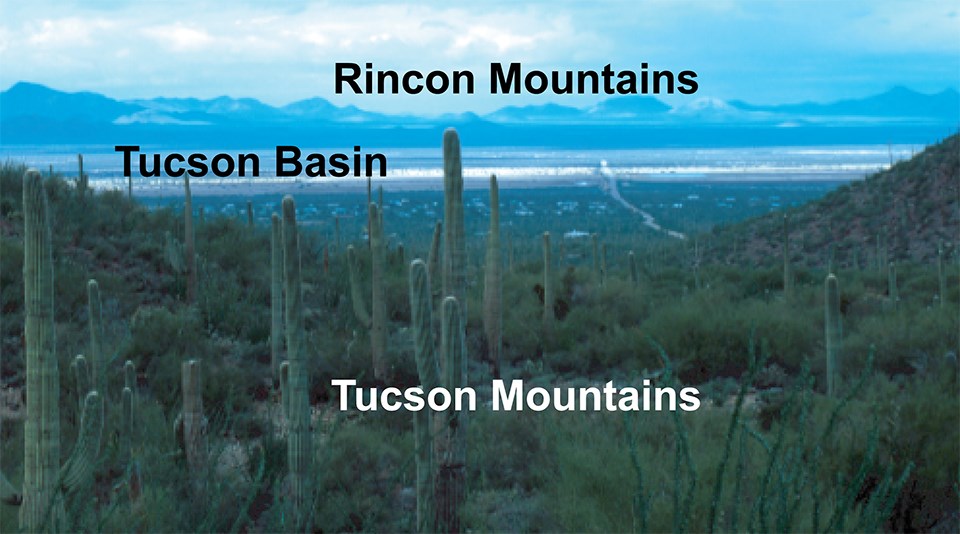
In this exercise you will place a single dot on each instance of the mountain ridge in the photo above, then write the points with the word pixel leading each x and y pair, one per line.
pixel 35 114
pixel 901 213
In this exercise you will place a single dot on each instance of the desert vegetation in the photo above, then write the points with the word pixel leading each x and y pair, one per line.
pixel 165 372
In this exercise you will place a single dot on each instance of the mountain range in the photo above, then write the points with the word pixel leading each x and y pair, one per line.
pixel 35 114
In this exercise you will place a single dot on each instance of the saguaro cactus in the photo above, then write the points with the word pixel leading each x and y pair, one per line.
pixel 190 259
pixel 634 275
pixel 493 283
pixel 41 430
pixel 833 333
pixel 82 179
pixel 421 316
pixel 45 483
pixel 378 310
pixel 376 321
pixel 451 449
pixel 299 447
pixel 433 259
pixel 454 244
pixel 250 214
pixel 548 315
pixel 276 295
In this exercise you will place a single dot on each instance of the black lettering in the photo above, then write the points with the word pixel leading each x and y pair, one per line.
pixel 144 171
pixel 408 87
pixel 215 165
pixel 198 166
pixel 508 85
pixel 350 79
pixel 340 162
pixel 168 167
pixel 688 82
pixel 530 78
pixel 381 164
pixel 315 166
pixel 283 161
pixel 242 164
pixel 444 82
pixel 127 150
pixel 460 75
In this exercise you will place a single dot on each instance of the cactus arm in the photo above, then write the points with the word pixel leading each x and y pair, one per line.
pixel 77 472
pixel 81 375
pixel 433 260
pixel 129 375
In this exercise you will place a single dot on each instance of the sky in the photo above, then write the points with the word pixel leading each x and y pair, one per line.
pixel 764 52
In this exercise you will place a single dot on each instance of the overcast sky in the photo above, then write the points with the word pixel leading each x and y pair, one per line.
pixel 278 52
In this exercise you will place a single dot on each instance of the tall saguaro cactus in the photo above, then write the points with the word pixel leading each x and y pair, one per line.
pixel 548 315
pixel 41 430
pixel 45 483
pixel 833 333
pixel 451 449
pixel 421 317
pixel 493 283
pixel 82 179
pixel 454 244
pixel 376 320
pixel 190 258
pixel 296 393
pixel 378 309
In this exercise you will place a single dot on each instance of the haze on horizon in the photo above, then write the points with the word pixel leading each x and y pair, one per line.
pixel 761 52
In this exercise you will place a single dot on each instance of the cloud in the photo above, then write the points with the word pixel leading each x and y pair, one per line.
pixel 283 51
pixel 179 38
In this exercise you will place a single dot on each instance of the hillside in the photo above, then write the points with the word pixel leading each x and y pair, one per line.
pixel 758 362
pixel 903 213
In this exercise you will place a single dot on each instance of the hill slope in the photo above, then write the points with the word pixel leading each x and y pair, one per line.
pixel 902 213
